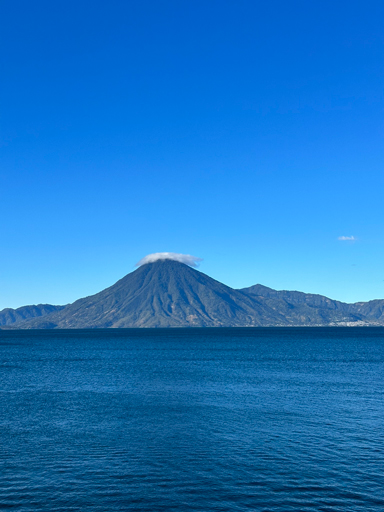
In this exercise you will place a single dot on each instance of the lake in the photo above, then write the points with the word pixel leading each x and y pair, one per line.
pixel 263 419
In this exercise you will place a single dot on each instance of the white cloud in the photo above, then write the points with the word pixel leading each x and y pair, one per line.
pixel 192 261
pixel 349 238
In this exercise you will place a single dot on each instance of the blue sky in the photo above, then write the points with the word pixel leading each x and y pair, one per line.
pixel 249 134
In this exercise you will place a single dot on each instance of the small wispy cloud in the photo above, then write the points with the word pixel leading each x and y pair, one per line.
pixel 348 238
pixel 188 259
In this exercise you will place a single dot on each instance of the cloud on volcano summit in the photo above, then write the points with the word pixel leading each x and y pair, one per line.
pixel 188 259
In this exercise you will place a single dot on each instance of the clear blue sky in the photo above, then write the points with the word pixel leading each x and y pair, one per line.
pixel 247 133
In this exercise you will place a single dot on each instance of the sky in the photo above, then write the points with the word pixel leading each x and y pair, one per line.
pixel 248 134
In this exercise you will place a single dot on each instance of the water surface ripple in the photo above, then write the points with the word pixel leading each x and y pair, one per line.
pixel 192 420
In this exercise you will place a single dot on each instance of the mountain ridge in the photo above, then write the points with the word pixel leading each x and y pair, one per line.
pixel 371 310
pixel 9 316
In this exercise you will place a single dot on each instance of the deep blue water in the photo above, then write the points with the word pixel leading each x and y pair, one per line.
pixel 192 420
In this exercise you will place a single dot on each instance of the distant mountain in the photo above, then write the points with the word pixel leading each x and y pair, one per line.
pixel 10 316
pixel 372 311
pixel 296 298
pixel 369 312
pixel 168 293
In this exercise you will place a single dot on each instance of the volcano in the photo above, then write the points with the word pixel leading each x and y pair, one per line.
pixel 165 293
pixel 168 293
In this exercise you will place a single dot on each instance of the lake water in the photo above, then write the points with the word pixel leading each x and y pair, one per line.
pixel 192 420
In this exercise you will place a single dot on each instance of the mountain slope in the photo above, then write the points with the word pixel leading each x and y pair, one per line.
pixel 372 311
pixel 10 316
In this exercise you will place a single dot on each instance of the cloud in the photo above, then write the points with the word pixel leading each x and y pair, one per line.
pixel 348 238
pixel 192 261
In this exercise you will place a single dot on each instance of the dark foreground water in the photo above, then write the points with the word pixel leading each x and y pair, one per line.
pixel 192 420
